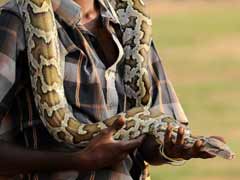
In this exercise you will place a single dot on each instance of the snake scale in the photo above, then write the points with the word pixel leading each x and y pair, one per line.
pixel 47 80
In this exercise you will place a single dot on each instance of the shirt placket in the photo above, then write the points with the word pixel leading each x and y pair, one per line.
pixel 110 77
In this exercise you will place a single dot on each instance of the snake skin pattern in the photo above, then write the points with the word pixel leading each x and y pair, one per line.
pixel 47 80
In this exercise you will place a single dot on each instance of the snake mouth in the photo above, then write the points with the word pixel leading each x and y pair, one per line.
pixel 230 156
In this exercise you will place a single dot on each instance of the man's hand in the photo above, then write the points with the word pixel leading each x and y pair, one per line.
pixel 178 150
pixel 150 149
pixel 104 151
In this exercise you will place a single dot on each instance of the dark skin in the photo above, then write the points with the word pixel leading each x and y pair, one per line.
pixel 102 151
pixel 150 148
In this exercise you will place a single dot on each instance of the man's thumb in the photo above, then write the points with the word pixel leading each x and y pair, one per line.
pixel 118 124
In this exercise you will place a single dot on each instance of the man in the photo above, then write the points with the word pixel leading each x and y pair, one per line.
pixel 27 148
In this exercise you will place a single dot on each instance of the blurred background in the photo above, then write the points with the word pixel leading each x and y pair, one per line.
pixel 199 42
pixel 2 2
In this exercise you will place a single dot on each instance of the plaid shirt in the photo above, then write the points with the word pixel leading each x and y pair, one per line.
pixel 94 91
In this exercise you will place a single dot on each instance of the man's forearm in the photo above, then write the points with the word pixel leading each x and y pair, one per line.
pixel 15 160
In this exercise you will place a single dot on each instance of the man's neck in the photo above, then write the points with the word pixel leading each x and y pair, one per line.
pixel 89 10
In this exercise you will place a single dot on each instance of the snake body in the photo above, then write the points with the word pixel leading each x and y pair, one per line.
pixel 47 80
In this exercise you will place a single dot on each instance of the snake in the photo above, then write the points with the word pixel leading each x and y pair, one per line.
pixel 47 81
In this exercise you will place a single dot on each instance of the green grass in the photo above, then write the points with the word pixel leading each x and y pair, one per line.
pixel 201 52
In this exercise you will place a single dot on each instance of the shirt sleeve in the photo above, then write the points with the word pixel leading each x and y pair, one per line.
pixel 11 44
pixel 164 97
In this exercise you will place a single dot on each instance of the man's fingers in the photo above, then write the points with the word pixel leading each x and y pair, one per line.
pixel 118 124
pixel 168 136
pixel 196 148
pixel 130 145
pixel 205 155
pixel 180 136
pixel 193 152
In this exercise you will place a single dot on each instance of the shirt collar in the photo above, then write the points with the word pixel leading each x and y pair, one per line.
pixel 107 11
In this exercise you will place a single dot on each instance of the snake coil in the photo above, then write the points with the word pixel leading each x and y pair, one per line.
pixel 47 79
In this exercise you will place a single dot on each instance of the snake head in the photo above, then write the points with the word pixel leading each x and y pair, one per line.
pixel 218 148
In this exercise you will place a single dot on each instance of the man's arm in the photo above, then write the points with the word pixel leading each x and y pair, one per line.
pixel 102 152
pixel 15 160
